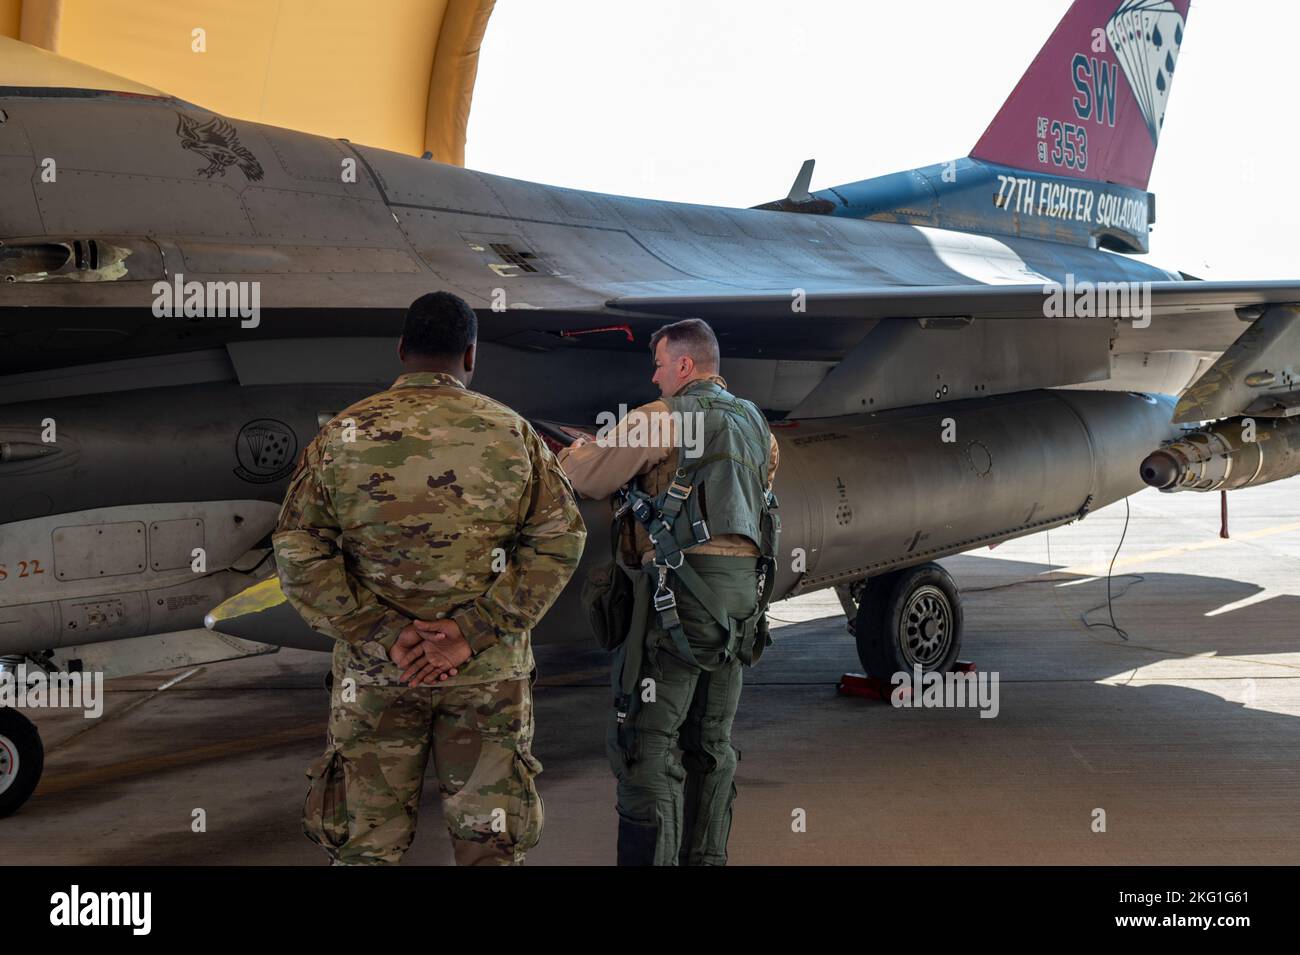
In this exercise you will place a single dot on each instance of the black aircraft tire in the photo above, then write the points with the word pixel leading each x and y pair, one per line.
pixel 909 617
pixel 20 743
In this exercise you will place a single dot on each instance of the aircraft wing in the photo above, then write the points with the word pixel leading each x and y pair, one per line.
pixel 968 301
pixel 756 322
pixel 1030 336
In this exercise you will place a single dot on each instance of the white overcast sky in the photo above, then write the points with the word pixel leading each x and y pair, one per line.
pixel 719 101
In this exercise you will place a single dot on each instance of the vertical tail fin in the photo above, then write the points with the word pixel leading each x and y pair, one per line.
pixel 1091 104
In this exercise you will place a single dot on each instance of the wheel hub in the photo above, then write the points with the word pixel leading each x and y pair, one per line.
pixel 926 627
pixel 8 763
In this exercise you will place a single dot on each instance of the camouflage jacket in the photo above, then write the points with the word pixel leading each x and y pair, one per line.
pixel 425 501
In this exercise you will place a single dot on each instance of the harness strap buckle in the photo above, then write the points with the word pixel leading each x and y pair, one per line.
pixel 665 601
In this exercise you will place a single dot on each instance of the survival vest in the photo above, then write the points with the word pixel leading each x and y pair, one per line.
pixel 721 490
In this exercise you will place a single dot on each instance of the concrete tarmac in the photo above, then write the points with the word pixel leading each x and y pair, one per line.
pixel 1184 730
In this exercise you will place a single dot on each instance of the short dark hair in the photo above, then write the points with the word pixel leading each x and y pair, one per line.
pixel 690 337
pixel 439 324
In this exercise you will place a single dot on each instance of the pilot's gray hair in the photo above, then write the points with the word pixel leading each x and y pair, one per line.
pixel 690 337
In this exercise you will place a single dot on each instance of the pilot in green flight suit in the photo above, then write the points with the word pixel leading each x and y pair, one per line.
pixel 699 461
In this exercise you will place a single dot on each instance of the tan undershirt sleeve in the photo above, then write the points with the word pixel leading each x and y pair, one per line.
pixel 643 438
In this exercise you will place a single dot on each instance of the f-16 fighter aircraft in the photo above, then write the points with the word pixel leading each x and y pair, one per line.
pixel 951 356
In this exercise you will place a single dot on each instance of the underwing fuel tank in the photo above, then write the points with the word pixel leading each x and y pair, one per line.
pixel 866 494
pixel 1227 456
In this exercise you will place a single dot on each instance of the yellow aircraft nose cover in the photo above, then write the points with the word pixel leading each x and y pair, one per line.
pixel 261 596
pixel 232 614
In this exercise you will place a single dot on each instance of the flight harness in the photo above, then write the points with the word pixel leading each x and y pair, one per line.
pixel 662 516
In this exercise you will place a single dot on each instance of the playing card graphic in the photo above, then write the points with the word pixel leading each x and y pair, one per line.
pixel 1146 36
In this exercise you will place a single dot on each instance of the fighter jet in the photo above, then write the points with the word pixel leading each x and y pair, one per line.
pixel 951 356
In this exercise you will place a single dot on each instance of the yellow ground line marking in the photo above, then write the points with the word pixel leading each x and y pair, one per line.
pixel 1099 570
pixel 112 772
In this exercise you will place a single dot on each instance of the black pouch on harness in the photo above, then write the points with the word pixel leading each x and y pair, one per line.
pixel 608 595
pixel 752 645
pixel 752 648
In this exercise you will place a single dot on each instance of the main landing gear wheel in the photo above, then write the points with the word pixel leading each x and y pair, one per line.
pixel 909 618
pixel 22 757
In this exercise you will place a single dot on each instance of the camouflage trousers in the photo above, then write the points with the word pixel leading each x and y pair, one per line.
pixel 364 792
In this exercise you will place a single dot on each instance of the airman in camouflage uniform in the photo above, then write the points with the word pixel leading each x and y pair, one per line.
pixel 432 503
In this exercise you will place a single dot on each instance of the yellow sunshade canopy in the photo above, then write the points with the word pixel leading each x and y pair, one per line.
pixel 398 74
pixel 22 64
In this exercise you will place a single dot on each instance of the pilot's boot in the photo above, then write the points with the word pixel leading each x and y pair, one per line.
pixel 650 799
pixel 636 841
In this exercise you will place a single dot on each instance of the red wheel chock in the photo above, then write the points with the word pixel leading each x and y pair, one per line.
pixel 872 688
